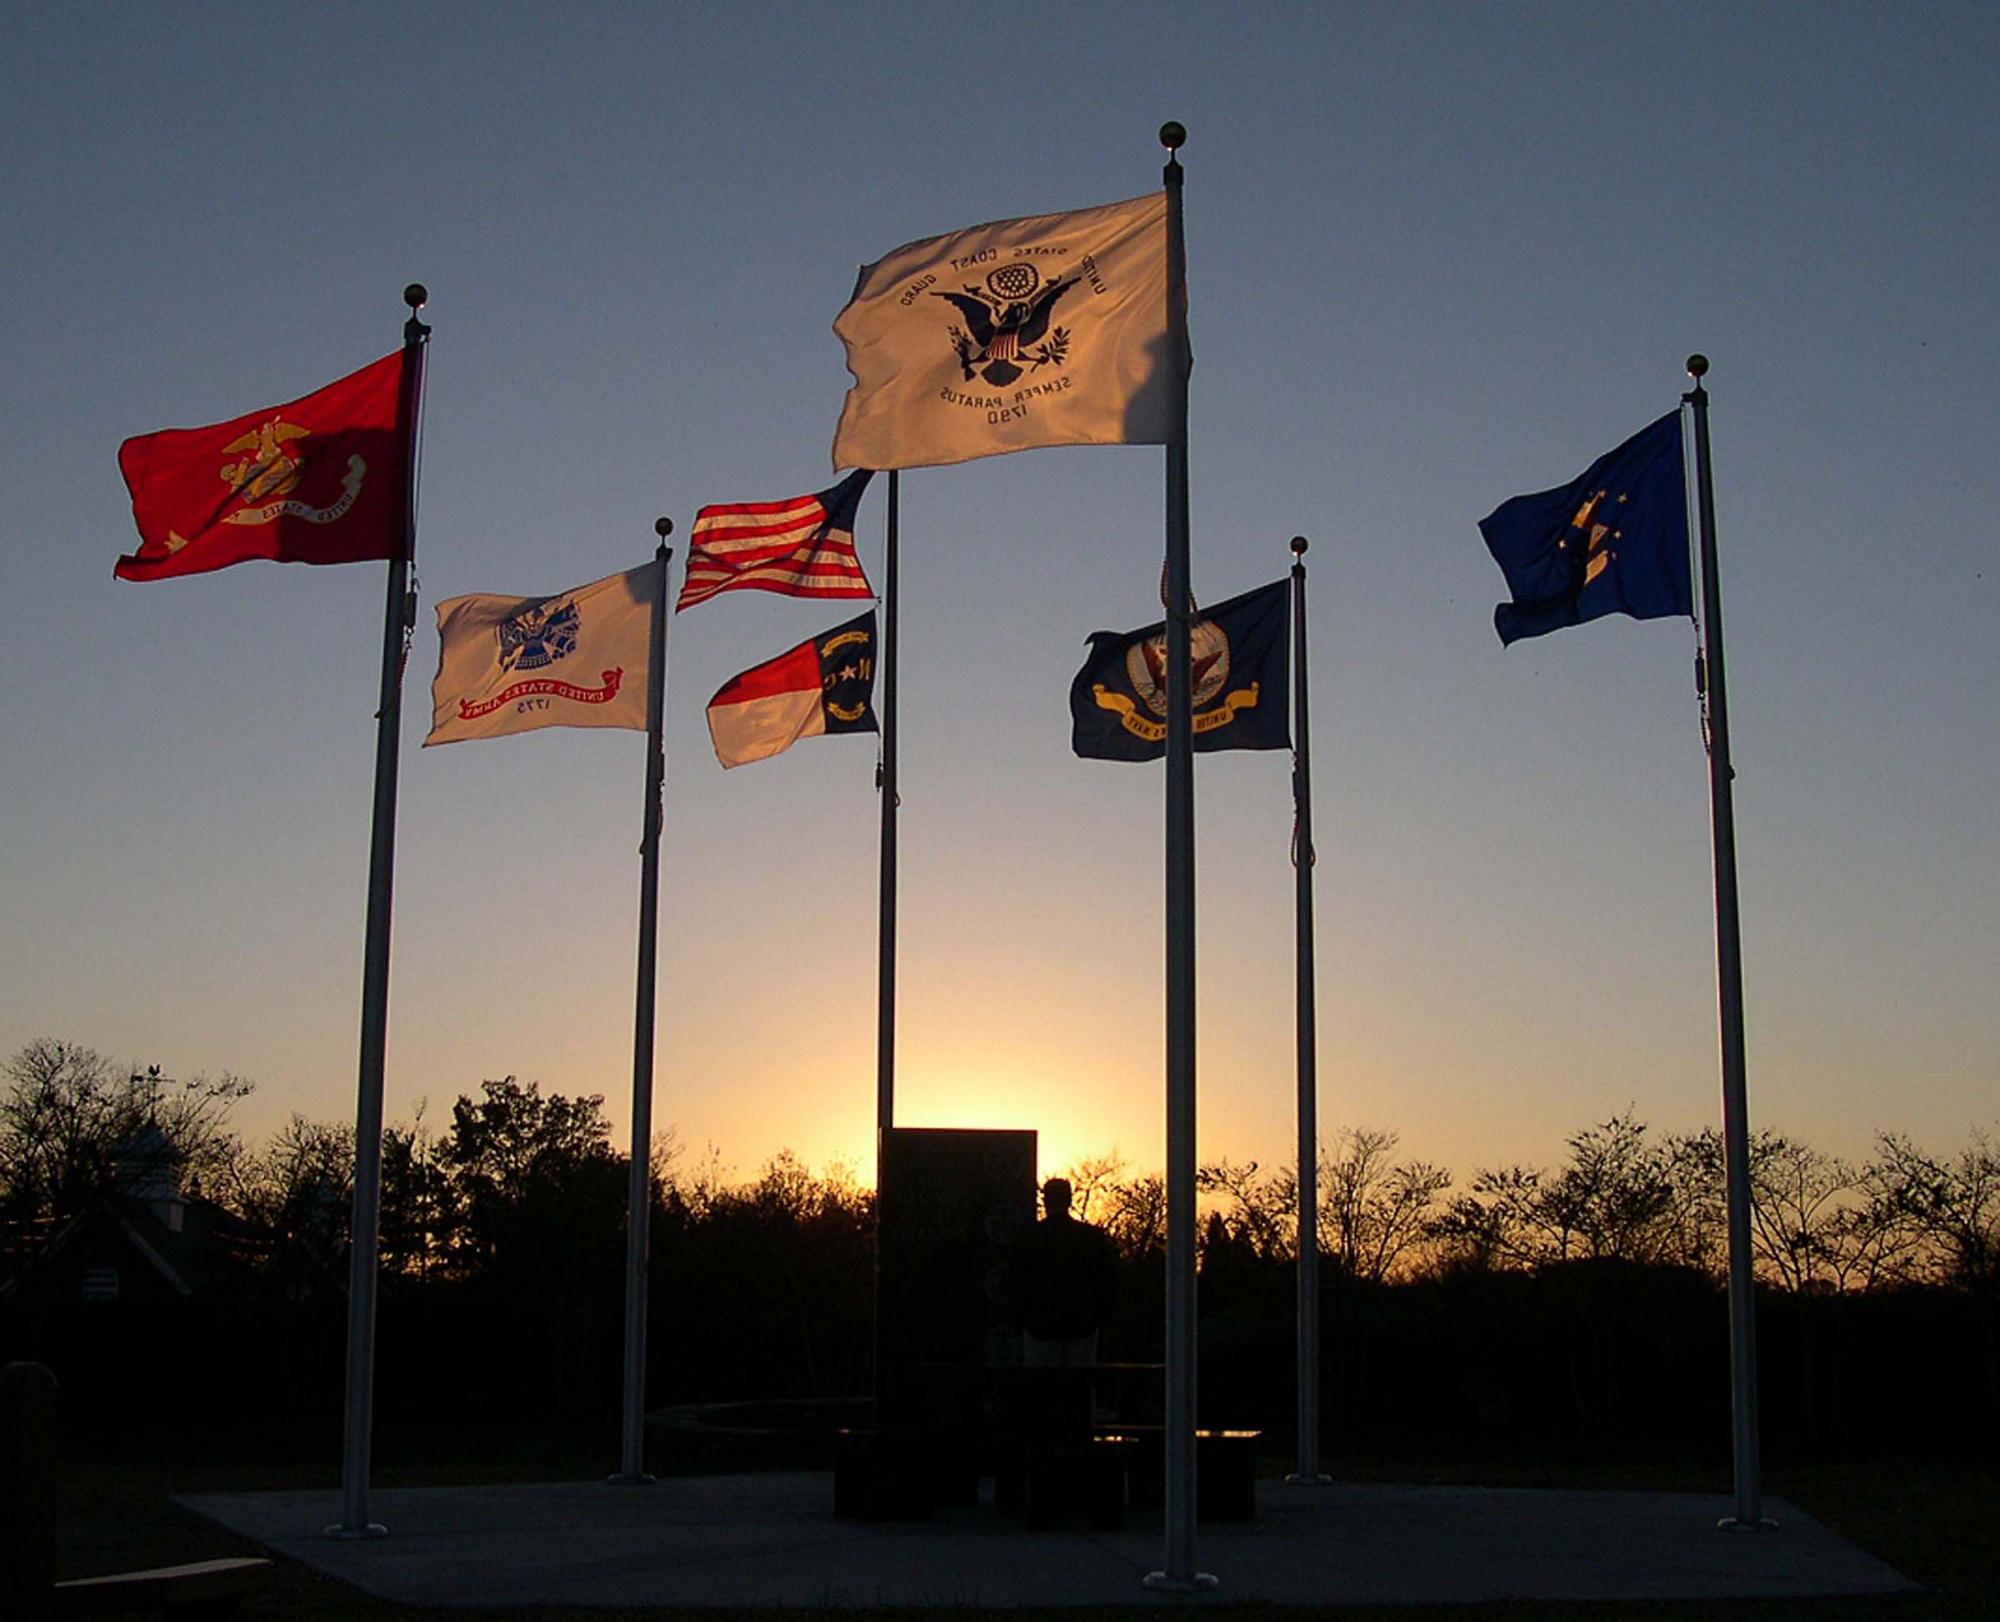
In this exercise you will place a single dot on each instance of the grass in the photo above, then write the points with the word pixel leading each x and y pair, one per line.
pixel 1939 1524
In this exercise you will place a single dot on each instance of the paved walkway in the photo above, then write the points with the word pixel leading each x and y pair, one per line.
pixel 772 1540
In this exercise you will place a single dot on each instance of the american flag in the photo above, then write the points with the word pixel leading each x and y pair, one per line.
pixel 802 548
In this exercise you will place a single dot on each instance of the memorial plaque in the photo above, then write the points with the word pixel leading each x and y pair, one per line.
pixel 950 1202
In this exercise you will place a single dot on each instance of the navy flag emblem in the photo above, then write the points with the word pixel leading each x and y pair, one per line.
pixel 1240 653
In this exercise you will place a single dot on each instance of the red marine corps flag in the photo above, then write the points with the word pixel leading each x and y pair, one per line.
pixel 322 480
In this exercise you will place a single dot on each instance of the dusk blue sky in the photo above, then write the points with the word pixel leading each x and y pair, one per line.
pixel 1437 255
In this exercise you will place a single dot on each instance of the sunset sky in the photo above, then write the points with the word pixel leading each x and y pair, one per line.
pixel 1438 256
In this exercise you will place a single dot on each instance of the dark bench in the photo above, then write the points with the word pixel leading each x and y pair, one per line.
pixel 1225 1469
pixel 1039 1432
pixel 1049 1482
pixel 205 1588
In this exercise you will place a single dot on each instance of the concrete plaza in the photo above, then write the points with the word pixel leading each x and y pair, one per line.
pixel 772 1540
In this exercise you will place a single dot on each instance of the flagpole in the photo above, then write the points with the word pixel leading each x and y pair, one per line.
pixel 1179 1574
pixel 1729 989
pixel 885 932
pixel 885 923
pixel 398 618
pixel 639 1194
pixel 1306 1003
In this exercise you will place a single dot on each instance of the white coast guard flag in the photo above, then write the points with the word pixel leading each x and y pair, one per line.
pixel 1043 331
pixel 577 659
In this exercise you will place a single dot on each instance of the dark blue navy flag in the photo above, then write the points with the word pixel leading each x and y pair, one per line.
pixel 1241 656
pixel 1612 541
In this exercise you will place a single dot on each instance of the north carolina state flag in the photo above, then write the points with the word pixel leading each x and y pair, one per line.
pixel 823 686
pixel 322 480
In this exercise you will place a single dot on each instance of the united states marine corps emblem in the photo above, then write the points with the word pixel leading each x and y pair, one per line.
pixel 270 466
pixel 272 461
pixel 538 637
pixel 1007 324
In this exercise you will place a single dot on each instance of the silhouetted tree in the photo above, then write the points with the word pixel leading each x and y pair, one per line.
pixel 1089 1177
pixel 1804 1206
pixel 1613 1200
pixel 1255 1212
pixel 699 1187
pixel 298 1190
pixel 1135 1215
pixel 1375 1211
pixel 1694 1226
pixel 1949 1208
pixel 1610 1199
pixel 532 1201
pixel 1222 1249
pixel 418 1207
pixel 531 1175
pixel 65 1111
pixel 769 1282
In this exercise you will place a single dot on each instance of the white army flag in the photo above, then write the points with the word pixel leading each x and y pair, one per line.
pixel 1051 330
pixel 512 664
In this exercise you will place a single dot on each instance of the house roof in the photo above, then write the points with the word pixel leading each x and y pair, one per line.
pixel 188 1262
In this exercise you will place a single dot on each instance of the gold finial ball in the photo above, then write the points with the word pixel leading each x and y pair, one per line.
pixel 1697 367
pixel 663 527
pixel 1173 135
pixel 416 295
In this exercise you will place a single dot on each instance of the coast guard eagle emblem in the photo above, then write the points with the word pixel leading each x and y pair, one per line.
pixel 1006 332
pixel 537 637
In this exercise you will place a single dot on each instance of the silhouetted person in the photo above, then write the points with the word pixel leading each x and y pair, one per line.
pixel 1065 1283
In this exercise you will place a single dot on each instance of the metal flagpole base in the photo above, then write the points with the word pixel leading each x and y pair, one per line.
pixel 625 1479
pixel 1297 1480
pixel 350 1534
pixel 1202 1582
pixel 1733 1523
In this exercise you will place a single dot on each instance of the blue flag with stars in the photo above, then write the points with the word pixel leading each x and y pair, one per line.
pixel 1612 541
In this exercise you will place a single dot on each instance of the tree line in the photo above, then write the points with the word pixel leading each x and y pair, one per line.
pixel 1524 1311
pixel 518 1180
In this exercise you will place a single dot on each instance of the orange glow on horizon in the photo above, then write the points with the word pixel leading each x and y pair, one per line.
pixel 1069 1122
